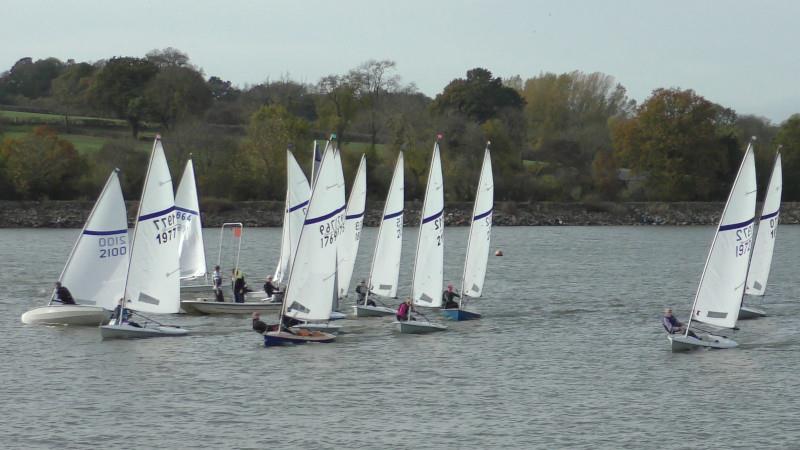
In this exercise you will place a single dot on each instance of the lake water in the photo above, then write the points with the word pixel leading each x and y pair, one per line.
pixel 569 354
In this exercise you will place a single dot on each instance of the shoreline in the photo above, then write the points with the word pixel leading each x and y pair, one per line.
pixel 73 214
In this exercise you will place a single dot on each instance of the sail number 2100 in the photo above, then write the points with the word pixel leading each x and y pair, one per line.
pixel 744 237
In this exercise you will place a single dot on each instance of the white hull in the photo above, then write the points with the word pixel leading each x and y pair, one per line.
pixel 76 315
pixel 129 332
pixel 193 288
pixel 418 327
pixel 212 307
pixel 682 343
pixel 323 327
pixel 373 311
pixel 748 312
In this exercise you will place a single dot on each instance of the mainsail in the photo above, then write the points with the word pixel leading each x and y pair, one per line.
pixel 153 283
pixel 297 193
pixel 719 295
pixel 354 217
pixel 766 233
pixel 428 274
pixel 190 248
pixel 480 233
pixel 385 269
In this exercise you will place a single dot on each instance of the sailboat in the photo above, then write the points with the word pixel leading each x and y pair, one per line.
pixel 722 283
pixel 297 194
pixel 311 285
pixel 764 242
pixel 428 274
pixel 384 271
pixel 152 284
pixel 190 248
pixel 96 266
pixel 478 243
pixel 354 218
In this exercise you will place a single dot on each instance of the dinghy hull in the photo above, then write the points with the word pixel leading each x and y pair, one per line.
pixel 418 327
pixel 373 311
pixel 681 343
pixel 212 307
pixel 336 315
pixel 748 312
pixel 279 338
pixel 460 314
pixel 75 315
pixel 128 332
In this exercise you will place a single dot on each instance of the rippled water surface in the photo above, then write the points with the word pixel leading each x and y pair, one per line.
pixel 569 354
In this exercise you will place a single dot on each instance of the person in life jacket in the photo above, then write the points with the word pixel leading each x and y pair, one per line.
pixel 673 325
pixel 404 310
pixel 448 296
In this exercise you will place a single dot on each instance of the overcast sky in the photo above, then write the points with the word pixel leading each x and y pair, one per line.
pixel 741 54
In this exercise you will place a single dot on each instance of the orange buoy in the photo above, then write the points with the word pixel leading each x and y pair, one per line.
pixel 498 252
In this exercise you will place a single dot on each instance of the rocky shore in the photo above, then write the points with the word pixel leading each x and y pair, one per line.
pixel 72 214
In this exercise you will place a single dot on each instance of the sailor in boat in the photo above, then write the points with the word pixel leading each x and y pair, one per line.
pixel 63 294
pixel 673 325
pixel 126 315
pixel 259 325
pixel 363 294
pixel 217 279
pixel 404 311
pixel 239 286
pixel 270 288
pixel 448 297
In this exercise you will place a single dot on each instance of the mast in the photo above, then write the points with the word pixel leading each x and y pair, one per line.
pixel 383 219
pixel 80 236
pixel 716 234
pixel 422 221
pixel 471 224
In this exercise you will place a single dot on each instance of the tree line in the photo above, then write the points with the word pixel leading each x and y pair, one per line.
pixel 563 137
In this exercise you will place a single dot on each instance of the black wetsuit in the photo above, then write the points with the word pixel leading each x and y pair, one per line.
pixel 65 296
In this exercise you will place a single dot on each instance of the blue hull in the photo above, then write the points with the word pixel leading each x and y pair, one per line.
pixel 460 314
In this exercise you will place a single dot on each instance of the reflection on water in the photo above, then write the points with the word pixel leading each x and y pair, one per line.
pixel 569 353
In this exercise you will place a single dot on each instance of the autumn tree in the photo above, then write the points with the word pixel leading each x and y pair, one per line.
pixel 788 138
pixel 479 96
pixel 175 93
pixel 119 88
pixel 259 168
pixel 70 89
pixel 682 143
pixel 41 165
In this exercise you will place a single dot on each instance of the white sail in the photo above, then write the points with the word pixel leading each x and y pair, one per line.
pixel 354 217
pixel 766 232
pixel 385 270
pixel 187 207
pixel 297 193
pixel 95 270
pixel 719 295
pixel 309 295
pixel 480 233
pixel 429 262
pixel 154 274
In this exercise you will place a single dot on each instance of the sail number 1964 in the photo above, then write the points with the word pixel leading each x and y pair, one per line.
pixel 744 236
